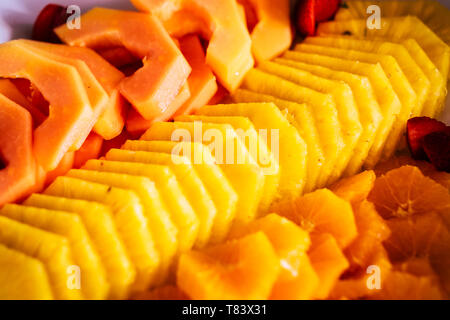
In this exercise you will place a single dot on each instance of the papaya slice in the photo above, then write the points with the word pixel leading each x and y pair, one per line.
pixel 17 163
pixel 152 88
pixel 90 149
pixel 71 116
pixel 63 167
pixel 220 21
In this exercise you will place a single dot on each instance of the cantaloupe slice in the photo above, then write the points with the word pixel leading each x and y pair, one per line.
pixel 347 111
pixel 71 117
pixel 398 80
pixel 50 249
pixel 99 223
pixel 387 99
pixel 229 49
pixel 94 284
pixel 22 277
pixel 179 208
pixel 369 110
pixel 152 88
pixel 222 141
pixel 17 163
pixel 129 219
pixel 301 117
pixel 216 183
pixel 325 113
pixel 191 184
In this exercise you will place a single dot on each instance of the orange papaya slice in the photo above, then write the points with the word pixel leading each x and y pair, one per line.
pixel 90 149
pixel 63 167
pixel 219 21
pixel 152 88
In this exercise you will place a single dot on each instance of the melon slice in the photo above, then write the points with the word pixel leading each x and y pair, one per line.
pixel 397 78
pixel 219 188
pixel 387 99
pixel 129 219
pixel 347 111
pixel 71 117
pixel 99 223
pixel 325 114
pixel 191 185
pixel 179 208
pixel 152 88
pixel 94 284
pixel 22 277
pixel 52 250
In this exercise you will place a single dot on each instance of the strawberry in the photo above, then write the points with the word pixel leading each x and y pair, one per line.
pixel 325 9
pixel 306 20
pixel 437 148
pixel 50 17
pixel 417 129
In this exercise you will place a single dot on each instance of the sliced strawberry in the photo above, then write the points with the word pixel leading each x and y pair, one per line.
pixel 417 129
pixel 437 148
pixel 326 9
pixel 306 21
pixel 51 16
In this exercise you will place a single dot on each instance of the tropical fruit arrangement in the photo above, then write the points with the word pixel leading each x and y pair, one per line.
pixel 194 150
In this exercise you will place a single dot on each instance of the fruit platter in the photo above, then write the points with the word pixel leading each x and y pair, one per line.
pixel 225 150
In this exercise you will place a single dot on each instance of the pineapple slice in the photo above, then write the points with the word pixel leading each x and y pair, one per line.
pixel 215 181
pixel 397 78
pixel 301 117
pixel 22 277
pixel 258 151
pixel 128 217
pixel 99 223
pixel 229 152
pixel 50 249
pixel 348 113
pixel 162 229
pixel 181 212
pixel 369 110
pixel 93 278
pixel 324 111
pixel 191 184
pixel 387 99
pixel 287 146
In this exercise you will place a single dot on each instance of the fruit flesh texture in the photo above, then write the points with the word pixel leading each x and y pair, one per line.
pixel 99 223
pixel 219 21
pixel 348 114
pixel 325 113
pixel 387 99
pixel 301 117
pixel 22 277
pixel 93 279
pixel 50 249
pixel 221 191
pixel 192 186
pixel 235 165
pixel 153 87
pixel 129 220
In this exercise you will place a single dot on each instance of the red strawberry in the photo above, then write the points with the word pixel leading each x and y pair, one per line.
pixel 325 9
pixel 306 21
pixel 437 148
pixel 50 17
pixel 417 129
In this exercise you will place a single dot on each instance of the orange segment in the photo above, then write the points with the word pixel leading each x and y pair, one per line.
pixel 243 269
pixel 355 189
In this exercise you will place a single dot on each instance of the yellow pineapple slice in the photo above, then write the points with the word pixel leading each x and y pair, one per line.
pixel 161 227
pixel 22 277
pixel 348 113
pixel 94 284
pixel 129 219
pixel 214 179
pixel 50 249
pixel 230 153
pixel 257 147
pixel 181 212
pixel 369 111
pixel 397 78
pixel 99 223
pixel 387 99
pixel 324 111
pixel 191 184
pixel 301 117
